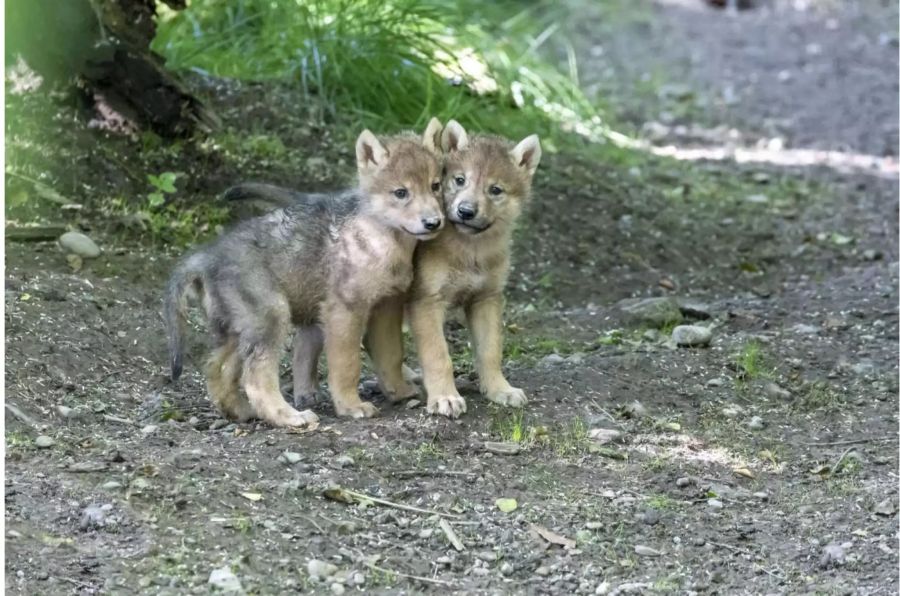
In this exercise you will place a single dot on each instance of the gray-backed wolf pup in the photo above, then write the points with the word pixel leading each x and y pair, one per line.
pixel 327 264
pixel 487 181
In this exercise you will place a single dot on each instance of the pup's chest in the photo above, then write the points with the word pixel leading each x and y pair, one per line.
pixel 367 267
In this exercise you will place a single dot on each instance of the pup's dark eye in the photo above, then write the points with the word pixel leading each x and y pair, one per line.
pixel 435 186
pixel 495 190
pixel 460 180
pixel 401 193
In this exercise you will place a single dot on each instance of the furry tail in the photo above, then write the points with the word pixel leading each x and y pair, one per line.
pixel 180 285
pixel 277 196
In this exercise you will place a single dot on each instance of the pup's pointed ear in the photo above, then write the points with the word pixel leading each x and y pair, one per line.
pixel 432 136
pixel 371 155
pixel 454 137
pixel 527 154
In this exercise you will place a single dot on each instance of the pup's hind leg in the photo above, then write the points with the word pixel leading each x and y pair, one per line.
pixel 384 342
pixel 308 344
pixel 223 373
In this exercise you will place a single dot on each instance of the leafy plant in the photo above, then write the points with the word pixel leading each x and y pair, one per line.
pixel 164 184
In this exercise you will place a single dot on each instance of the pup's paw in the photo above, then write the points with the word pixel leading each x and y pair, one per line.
pixel 363 409
pixel 402 392
pixel 513 397
pixel 295 419
pixel 447 405
pixel 305 400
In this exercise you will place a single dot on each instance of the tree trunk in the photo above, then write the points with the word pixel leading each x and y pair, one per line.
pixel 105 46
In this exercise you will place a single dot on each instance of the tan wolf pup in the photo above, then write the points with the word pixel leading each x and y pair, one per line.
pixel 486 183
pixel 331 262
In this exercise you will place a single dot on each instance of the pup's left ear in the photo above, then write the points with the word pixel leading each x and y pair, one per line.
pixel 431 138
pixel 527 154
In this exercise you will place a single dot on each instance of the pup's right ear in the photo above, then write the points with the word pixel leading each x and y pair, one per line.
pixel 454 137
pixel 371 155
pixel 432 136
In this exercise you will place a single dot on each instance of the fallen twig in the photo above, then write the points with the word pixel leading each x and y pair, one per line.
pixel 426 473
pixel 451 535
pixel 15 411
pixel 429 580
pixel 736 549
pixel 851 442
pixel 349 496
pixel 111 418
pixel 837 464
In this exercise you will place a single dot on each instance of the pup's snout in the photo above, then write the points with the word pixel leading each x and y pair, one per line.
pixel 431 223
pixel 467 210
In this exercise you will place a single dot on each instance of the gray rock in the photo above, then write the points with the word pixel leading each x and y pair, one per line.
pixel 863 368
pixel 755 423
pixel 149 429
pixel 542 570
pixel 885 508
pixel 506 568
pixel 832 556
pixel 776 391
pixel 65 411
pixel 44 442
pixel 320 569
pixel 413 404
pixel 691 335
pixel 93 516
pixel 602 588
pixel 344 461
pixel 337 589
pixel 684 481
pixel 871 255
pixel 111 485
pixel 605 435
pixel 224 580
pixel 654 312
pixel 761 495
pixel 694 309
pixel 717 382
pixel 804 329
pixel 552 360
pixel 715 503
pixel 79 244
pixel 502 448
pixel 646 551
pixel 290 457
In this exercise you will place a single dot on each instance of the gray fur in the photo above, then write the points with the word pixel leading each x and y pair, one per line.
pixel 261 278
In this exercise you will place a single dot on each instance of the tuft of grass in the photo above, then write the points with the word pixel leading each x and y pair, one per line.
pixel 752 363
pixel 394 63
pixel 509 425
pixel 571 438
pixel 820 395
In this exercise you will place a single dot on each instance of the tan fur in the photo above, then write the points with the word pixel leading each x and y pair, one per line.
pixel 466 266
pixel 367 262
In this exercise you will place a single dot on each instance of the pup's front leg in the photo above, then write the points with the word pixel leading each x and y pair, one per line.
pixel 343 333
pixel 485 317
pixel 427 321
pixel 384 341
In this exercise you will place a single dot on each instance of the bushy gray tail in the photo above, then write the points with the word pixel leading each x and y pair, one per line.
pixel 175 313
pixel 277 196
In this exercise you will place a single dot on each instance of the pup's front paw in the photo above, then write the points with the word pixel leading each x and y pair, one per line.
pixel 363 409
pixel 512 397
pixel 293 418
pixel 447 405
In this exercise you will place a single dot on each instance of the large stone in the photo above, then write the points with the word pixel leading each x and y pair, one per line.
pixel 79 244
pixel 653 312
pixel 691 335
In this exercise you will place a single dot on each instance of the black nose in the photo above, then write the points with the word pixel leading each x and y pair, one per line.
pixel 431 223
pixel 466 210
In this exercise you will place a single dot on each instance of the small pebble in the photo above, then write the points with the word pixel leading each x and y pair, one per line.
pixel 717 382
pixel 337 589
pixel 506 568
pixel 755 423
pixel 412 404
pixel 715 503
pixel 149 429
pixel 320 569
pixel 344 461
pixel 684 481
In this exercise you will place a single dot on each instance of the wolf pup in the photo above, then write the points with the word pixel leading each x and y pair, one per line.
pixel 486 183
pixel 327 264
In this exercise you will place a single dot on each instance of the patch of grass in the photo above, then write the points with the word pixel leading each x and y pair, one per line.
pixel 395 63
pixel 657 463
pixel 18 441
pixel 528 350
pixel 508 424
pixel 661 503
pixel 752 363
pixel 820 395
pixel 168 224
pixel 571 438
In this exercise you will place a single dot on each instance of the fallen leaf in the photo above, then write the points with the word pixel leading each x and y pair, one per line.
pixel 451 535
pixel 252 496
pixel 339 495
pixel 552 537
pixel 506 505
pixel 746 473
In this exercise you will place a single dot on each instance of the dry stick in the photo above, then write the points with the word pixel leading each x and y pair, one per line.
pixel 15 411
pixel 451 535
pixel 836 465
pixel 432 473
pixel 736 549
pixel 387 503
pixel 407 576
pixel 112 418
pixel 851 442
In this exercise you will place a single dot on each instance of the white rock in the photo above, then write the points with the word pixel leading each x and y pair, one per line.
pixel 44 442
pixel 691 335
pixel 605 435
pixel 79 244
pixel 320 569
pixel 226 581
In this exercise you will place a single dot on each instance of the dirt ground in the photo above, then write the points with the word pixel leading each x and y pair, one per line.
pixel 765 463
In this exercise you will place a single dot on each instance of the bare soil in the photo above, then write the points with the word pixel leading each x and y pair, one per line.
pixel 764 463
